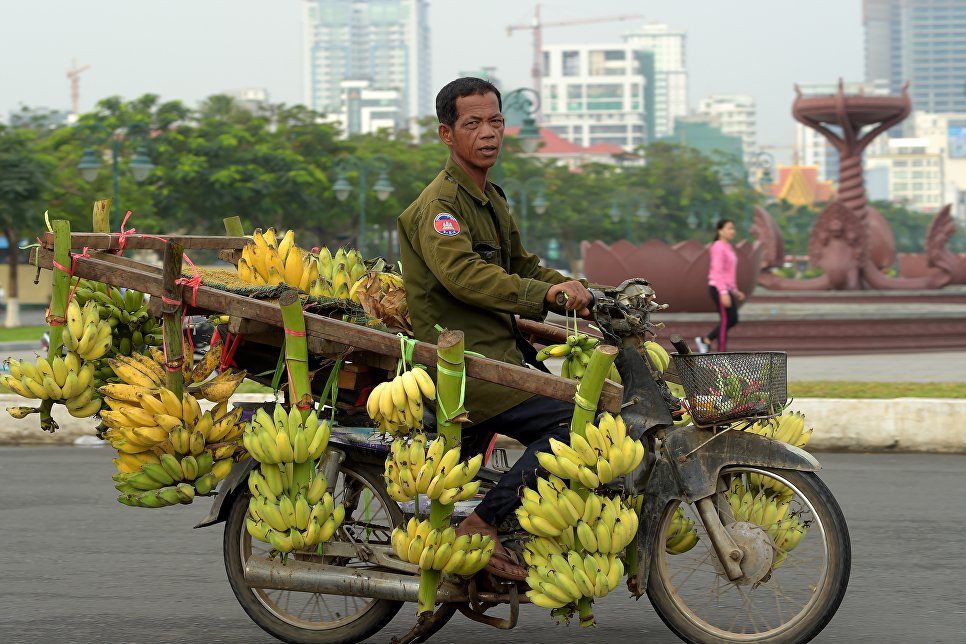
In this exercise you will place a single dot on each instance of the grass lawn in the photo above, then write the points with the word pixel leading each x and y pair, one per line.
pixel 22 333
pixel 846 389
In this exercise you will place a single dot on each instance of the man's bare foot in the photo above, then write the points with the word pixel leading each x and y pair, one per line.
pixel 503 563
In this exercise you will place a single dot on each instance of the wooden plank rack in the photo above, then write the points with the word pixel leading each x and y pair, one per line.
pixel 262 320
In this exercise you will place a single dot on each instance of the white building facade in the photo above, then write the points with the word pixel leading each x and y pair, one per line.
pixel 915 174
pixel 594 94
pixel 385 43
pixel 669 47
pixel 736 116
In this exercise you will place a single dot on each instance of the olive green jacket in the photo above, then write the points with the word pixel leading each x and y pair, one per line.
pixel 465 268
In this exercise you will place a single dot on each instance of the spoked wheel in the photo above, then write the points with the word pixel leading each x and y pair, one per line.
pixel 314 618
pixel 797 558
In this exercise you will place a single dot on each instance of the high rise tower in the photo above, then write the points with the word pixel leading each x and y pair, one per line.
pixel 383 42
pixel 920 41
pixel 670 80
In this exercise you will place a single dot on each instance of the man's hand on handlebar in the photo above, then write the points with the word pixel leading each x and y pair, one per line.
pixel 571 295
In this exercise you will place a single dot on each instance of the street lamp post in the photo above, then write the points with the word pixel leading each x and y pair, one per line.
pixel 526 189
pixel 624 209
pixel 383 188
pixel 89 165
pixel 525 102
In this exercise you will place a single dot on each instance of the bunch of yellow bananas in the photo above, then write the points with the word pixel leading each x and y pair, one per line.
pixel 283 437
pixel 607 453
pixel 397 405
pixel 657 355
pixel 269 261
pixel 557 579
pixel 681 535
pixel 85 332
pixel 69 380
pixel 789 428
pixel 772 513
pixel 434 549
pixel 337 274
pixel 576 352
pixel 411 469
pixel 126 313
pixel 290 520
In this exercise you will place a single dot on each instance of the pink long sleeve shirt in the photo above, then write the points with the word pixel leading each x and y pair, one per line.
pixel 723 272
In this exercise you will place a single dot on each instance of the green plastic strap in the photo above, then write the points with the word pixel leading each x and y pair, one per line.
pixel 462 376
pixel 407 346
pixel 331 389
pixel 583 403
pixel 279 368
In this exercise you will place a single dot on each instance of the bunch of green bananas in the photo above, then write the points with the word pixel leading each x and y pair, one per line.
pixel 338 273
pixel 681 535
pixel 85 333
pixel 772 513
pixel 557 579
pixel 412 469
pixel 576 352
pixel 657 356
pixel 68 380
pixel 284 437
pixel 440 549
pixel 606 453
pixel 288 515
pixel 127 313
pixel 396 405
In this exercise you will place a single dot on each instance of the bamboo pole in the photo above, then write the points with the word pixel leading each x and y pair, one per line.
pixel 450 412
pixel 233 226
pixel 101 217
pixel 585 410
pixel 297 368
pixel 172 313
pixel 60 289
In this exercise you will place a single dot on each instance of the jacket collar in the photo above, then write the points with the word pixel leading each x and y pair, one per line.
pixel 462 179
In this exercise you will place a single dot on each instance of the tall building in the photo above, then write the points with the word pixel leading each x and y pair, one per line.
pixel 593 94
pixel 382 42
pixel 670 71
pixel 920 41
pixel 736 116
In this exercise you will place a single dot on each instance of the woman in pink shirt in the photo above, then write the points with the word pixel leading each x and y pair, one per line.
pixel 722 285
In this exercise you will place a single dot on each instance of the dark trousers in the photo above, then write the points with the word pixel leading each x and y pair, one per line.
pixel 729 317
pixel 533 422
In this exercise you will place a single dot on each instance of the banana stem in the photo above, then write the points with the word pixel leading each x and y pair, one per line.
pixel 592 383
pixel 172 316
pixel 60 289
pixel 450 369
pixel 233 226
pixel 297 366
pixel 101 216
pixel 585 610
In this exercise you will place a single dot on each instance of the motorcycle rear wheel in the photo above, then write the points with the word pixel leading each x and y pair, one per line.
pixel 314 618
pixel 787 603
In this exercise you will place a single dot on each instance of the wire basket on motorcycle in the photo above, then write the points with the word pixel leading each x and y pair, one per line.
pixel 723 387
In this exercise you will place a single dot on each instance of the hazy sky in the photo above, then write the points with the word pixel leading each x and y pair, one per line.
pixel 189 49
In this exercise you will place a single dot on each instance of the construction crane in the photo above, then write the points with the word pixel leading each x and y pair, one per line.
pixel 74 75
pixel 537 27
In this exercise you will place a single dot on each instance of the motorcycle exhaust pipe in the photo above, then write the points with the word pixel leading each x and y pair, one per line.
pixel 301 576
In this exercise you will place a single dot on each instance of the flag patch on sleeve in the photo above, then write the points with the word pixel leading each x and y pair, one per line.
pixel 446 224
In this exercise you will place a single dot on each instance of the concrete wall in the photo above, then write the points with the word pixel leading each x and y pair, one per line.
pixel 902 424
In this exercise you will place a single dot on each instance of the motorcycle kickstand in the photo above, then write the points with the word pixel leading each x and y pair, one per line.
pixel 475 609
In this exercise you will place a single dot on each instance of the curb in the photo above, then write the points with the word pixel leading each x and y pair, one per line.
pixel 892 425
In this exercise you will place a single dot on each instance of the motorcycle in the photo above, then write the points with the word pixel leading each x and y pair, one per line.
pixel 734 585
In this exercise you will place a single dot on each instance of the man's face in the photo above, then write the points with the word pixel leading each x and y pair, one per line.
pixel 476 137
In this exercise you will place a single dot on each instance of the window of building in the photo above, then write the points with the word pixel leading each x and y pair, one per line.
pixel 571 63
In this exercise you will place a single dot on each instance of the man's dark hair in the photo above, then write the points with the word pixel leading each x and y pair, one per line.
pixel 466 86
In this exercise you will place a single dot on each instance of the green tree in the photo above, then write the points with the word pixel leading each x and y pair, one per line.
pixel 25 174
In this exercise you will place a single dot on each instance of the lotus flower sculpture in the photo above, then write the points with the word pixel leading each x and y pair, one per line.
pixel 678 273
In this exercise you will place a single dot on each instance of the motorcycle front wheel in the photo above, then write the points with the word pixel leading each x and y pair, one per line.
pixel 797 559
pixel 314 618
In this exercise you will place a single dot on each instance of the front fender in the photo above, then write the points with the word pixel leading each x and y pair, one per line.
pixel 688 468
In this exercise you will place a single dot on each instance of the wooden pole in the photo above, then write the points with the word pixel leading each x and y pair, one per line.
pixel 60 289
pixel 172 314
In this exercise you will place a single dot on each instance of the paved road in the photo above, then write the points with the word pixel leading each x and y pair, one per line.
pixel 77 567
